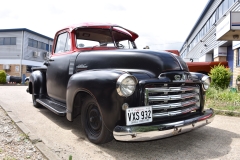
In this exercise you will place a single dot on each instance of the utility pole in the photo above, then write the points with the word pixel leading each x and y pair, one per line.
pixel 21 57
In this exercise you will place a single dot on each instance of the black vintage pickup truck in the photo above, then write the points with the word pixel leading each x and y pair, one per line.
pixel 96 71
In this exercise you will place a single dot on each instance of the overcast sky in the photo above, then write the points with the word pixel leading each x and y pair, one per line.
pixel 160 24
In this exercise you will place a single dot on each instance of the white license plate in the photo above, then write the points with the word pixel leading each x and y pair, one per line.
pixel 138 115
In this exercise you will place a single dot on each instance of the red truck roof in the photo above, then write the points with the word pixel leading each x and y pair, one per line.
pixel 102 25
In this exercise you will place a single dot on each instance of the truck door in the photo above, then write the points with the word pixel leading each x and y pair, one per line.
pixel 59 66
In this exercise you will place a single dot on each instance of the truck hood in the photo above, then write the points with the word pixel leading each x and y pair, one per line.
pixel 153 62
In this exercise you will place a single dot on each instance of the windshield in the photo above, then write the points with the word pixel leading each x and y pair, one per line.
pixel 98 37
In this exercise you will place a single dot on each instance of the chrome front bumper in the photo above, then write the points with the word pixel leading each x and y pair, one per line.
pixel 144 133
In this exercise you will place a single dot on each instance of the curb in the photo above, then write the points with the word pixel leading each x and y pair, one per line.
pixel 10 84
pixel 36 141
pixel 227 113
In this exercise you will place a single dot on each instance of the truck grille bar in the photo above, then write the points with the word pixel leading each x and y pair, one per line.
pixel 171 89
pixel 171 97
pixel 172 101
pixel 175 113
pixel 174 105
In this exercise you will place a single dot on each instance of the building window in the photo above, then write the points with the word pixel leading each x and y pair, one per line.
pixel 225 6
pixel 231 2
pixel 238 57
pixel 220 11
pixel 32 43
pixel 17 68
pixel 50 48
pixel 7 40
pixel 207 25
pixel 42 45
pixel 37 44
pixel 213 19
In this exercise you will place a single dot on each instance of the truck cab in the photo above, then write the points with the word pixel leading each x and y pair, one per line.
pixel 97 72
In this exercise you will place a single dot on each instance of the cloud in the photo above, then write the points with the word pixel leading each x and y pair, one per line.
pixel 160 24
pixel 110 7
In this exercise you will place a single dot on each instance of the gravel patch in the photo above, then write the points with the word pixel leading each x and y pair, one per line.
pixel 14 144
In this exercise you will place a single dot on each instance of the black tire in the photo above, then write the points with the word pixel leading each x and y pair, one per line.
pixel 92 123
pixel 35 103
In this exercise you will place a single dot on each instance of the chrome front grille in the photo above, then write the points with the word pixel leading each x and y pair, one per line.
pixel 167 101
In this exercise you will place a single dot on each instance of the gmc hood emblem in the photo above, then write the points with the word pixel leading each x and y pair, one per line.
pixel 177 77
pixel 182 78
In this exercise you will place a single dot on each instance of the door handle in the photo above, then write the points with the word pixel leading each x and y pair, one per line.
pixel 51 59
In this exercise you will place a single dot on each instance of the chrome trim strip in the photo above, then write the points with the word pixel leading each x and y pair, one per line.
pixel 174 113
pixel 151 132
pixel 172 97
pixel 174 105
pixel 146 98
pixel 171 89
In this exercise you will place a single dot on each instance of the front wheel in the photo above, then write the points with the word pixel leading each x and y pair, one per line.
pixel 92 123
pixel 35 103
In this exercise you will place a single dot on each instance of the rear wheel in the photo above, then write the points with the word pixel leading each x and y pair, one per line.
pixel 92 123
pixel 35 103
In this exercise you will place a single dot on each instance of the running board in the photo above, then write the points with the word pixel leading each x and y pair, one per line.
pixel 57 108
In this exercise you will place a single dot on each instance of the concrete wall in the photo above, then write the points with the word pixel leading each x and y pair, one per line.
pixel 220 58
pixel 15 70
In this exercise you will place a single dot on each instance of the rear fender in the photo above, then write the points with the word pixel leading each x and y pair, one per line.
pixel 38 82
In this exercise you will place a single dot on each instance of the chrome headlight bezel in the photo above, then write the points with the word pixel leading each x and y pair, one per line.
pixel 206 80
pixel 123 89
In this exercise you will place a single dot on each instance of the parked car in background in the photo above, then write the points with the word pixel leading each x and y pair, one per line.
pixel 13 79
pixel 7 78
pixel 26 79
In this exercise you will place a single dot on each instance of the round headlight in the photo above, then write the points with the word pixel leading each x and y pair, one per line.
pixel 206 82
pixel 126 85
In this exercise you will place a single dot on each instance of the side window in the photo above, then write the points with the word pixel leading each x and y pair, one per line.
pixel 63 43
pixel 125 44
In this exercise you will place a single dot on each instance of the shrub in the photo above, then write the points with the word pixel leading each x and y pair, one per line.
pixel 220 76
pixel 2 77
pixel 238 78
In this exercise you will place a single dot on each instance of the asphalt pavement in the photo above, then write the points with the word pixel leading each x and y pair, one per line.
pixel 58 138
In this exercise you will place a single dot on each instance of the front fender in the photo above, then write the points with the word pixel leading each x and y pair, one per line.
pixel 101 85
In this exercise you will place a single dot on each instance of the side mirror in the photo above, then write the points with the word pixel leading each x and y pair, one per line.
pixel 46 63
pixel 48 54
pixel 47 58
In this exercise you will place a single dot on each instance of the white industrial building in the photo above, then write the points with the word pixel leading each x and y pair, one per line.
pixel 216 36
pixel 21 48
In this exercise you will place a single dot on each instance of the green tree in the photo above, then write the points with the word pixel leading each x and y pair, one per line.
pixel 220 76
pixel 2 77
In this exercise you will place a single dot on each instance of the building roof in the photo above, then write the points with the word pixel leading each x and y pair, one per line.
pixel 198 21
pixel 25 29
